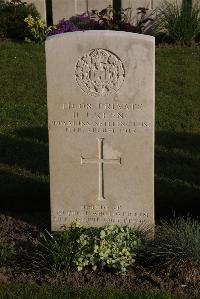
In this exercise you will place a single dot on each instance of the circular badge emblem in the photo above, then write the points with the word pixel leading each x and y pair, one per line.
pixel 99 73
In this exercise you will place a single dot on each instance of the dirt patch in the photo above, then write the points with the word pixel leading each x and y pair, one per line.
pixel 24 232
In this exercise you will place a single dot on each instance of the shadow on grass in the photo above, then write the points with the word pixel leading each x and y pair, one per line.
pixel 177 174
pixel 27 150
pixel 20 193
pixel 24 172
pixel 38 133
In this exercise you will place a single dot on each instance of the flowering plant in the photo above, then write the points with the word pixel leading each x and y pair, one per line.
pixel 37 29
pixel 112 247
pixel 110 20
pixel 12 15
pixel 62 27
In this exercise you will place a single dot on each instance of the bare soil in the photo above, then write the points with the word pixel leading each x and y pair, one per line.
pixel 23 230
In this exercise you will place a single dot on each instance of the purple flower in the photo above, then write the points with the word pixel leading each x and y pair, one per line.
pixel 64 26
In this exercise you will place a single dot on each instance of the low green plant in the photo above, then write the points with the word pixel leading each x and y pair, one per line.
pixel 7 252
pixel 32 291
pixel 179 23
pixel 12 15
pixel 56 251
pixel 113 247
pixel 176 242
pixel 36 29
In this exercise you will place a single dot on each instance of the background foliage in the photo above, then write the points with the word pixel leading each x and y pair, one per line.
pixel 12 15
pixel 178 23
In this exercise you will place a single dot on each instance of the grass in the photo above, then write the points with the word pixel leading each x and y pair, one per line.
pixel 177 131
pixel 176 245
pixel 7 253
pixel 47 292
pixel 24 172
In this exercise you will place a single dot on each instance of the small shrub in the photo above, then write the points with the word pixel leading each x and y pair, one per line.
pixel 113 247
pixel 36 29
pixel 107 19
pixel 176 243
pixel 7 252
pixel 12 15
pixel 180 22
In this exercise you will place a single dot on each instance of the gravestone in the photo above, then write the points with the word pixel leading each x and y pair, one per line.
pixel 134 4
pixel 68 8
pixel 40 6
pixel 100 87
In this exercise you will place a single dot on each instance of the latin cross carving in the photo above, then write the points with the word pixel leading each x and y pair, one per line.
pixel 100 160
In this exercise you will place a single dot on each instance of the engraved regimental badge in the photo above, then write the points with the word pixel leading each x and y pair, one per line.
pixel 99 73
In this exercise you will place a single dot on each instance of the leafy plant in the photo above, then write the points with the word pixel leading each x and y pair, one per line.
pixel 7 252
pixel 37 30
pixel 113 247
pixel 56 251
pixel 12 15
pixel 109 19
pixel 181 23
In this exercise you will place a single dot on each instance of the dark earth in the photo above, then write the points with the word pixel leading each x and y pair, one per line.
pixel 24 230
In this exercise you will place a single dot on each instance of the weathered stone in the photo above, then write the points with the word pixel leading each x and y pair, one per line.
pixel 101 128
pixel 134 4
pixel 39 4
pixel 68 8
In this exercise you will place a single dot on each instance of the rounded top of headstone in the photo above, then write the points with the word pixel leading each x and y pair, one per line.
pixel 110 33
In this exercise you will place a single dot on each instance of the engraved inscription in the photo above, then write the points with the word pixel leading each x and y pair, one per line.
pixel 106 118
pixel 100 161
pixel 99 73
pixel 101 214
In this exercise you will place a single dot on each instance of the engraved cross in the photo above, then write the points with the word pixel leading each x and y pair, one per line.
pixel 100 161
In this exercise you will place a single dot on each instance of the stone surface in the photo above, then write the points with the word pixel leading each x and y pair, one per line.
pixel 68 8
pixel 101 128
pixel 134 4
pixel 40 5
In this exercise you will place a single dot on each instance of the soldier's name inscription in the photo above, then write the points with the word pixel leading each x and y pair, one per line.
pixel 101 118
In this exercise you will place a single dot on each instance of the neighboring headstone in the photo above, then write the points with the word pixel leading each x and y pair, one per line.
pixel 68 8
pixel 134 4
pixel 39 4
pixel 41 7
pixel 101 128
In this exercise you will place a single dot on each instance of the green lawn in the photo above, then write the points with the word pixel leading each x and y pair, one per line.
pixel 177 172
pixel 24 173
pixel 47 292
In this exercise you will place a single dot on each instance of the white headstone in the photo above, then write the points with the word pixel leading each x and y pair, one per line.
pixel 101 128
pixel 68 8
pixel 40 5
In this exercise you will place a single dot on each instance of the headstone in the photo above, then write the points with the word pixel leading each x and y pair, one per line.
pixel 101 128
pixel 134 4
pixel 68 8
pixel 39 4
pixel 158 3
pixel 41 7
